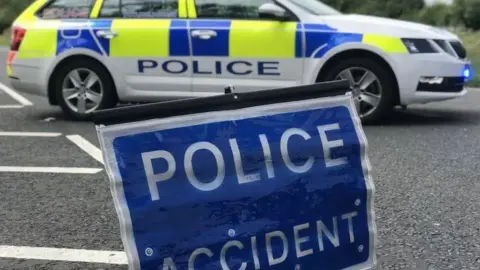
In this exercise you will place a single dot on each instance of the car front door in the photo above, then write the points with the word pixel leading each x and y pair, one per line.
pixel 148 44
pixel 233 45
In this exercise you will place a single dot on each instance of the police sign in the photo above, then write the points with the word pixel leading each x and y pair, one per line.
pixel 282 186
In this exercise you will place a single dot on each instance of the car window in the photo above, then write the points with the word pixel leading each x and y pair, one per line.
pixel 139 9
pixel 65 9
pixel 229 9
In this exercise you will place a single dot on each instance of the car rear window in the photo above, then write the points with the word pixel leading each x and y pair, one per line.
pixel 139 9
pixel 66 9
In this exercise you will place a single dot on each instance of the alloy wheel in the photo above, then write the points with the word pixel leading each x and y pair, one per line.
pixel 366 89
pixel 82 91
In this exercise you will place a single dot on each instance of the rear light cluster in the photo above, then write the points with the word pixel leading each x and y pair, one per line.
pixel 18 34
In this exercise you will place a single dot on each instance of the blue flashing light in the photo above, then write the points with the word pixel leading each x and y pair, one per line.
pixel 467 73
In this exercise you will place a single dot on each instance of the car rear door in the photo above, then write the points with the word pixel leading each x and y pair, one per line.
pixel 231 44
pixel 148 44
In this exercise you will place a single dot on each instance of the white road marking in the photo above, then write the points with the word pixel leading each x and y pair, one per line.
pixel 63 254
pixel 29 134
pixel 66 170
pixel 86 146
pixel 22 100
pixel 11 106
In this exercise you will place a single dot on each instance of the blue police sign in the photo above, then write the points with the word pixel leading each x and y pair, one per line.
pixel 283 186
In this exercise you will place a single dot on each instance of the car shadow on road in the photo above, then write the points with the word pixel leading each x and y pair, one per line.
pixel 433 116
pixel 54 113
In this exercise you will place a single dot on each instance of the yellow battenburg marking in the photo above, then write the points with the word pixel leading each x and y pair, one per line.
pixel 262 39
pixel 41 37
pixel 140 38
pixel 192 10
pixel 182 9
pixel 96 9
pixel 9 70
pixel 386 43
pixel 40 40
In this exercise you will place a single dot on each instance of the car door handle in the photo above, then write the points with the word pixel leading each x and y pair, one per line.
pixel 108 34
pixel 204 34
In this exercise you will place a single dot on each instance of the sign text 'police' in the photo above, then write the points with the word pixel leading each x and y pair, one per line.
pixel 242 178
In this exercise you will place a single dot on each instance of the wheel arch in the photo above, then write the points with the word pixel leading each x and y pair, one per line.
pixel 52 99
pixel 360 53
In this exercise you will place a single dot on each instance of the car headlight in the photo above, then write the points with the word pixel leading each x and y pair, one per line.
pixel 415 45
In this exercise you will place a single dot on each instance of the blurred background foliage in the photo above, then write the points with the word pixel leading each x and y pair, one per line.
pixel 462 13
pixel 9 10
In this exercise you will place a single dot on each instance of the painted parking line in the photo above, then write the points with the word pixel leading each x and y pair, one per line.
pixel 62 254
pixel 67 170
pixel 19 98
pixel 77 139
pixel 11 106
pixel 29 134
pixel 86 146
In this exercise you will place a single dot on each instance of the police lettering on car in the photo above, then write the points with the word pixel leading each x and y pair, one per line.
pixel 240 67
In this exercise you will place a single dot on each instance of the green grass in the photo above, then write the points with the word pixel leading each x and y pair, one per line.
pixel 472 44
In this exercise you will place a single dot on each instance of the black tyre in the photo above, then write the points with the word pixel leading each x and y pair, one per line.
pixel 82 87
pixel 373 87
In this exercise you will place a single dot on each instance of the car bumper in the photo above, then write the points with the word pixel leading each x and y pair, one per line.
pixel 429 77
pixel 27 87
pixel 28 76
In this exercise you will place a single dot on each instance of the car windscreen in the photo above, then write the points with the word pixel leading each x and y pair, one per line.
pixel 315 7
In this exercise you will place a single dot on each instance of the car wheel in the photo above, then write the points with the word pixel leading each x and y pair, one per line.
pixel 372 87
pixel 83 87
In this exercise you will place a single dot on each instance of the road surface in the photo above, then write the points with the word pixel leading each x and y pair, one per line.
pixel 426 168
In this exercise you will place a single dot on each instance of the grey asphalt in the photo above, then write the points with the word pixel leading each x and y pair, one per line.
pixel 426 168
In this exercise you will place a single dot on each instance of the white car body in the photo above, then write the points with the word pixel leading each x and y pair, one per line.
pixel 408 68
pixel 31 68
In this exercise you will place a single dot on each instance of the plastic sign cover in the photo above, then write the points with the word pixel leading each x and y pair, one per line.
pixel 283 186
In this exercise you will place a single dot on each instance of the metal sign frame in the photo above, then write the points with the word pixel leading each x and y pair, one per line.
pixel 226 101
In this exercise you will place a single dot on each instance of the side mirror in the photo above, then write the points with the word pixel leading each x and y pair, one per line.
pixel 272 10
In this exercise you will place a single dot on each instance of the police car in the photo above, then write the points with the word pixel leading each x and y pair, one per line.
pixel 86 55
